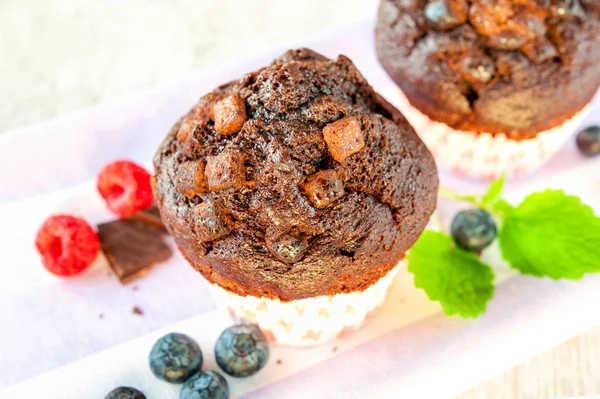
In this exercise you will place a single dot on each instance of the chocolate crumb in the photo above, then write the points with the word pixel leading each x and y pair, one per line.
pixel 134 288
pixel 335 349
pixel 138 311
pixel 278 361
pixel 101 316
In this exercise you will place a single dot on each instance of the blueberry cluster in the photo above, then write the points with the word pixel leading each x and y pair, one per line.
pixel 241 351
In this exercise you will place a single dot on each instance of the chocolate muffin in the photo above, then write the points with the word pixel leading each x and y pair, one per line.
pixel 515 68
pixel 510 66
pixel 295 181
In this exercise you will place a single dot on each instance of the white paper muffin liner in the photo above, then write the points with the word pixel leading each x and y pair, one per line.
pixel 483 155
pixel 310 321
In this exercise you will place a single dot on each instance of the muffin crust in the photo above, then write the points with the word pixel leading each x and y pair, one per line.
pixel 517 67
pixel 271 207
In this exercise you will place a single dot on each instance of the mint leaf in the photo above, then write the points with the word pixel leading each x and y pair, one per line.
pixel 494 191
pixel 456 278
pixel 551 234
pixel 501 208
pixel 488 199
pixel 453 195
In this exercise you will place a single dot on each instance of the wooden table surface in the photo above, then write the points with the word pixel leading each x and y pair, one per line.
pixel 64 56
pixel 570 369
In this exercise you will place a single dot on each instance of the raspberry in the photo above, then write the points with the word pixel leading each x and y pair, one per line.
pixel 125 187
pixel 67 244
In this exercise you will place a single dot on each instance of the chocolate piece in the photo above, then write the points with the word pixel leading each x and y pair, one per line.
pixel 323 188
pixel 190 178
pixel 565 9
pixel 186 129
pixel 211 221
pixel 189 123
pixel 530 24
pixel 288 248
pixel 446 14
pixel 132 247
pixel 151 217
pixel 230 115
pixel 481 17
pixel 478 69
pixel 507 39
pixel 225 170
pixel 344 138
pixel 539 50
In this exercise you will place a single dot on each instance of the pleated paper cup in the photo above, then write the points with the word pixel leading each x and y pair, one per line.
pixel 310 321
pixel 482 155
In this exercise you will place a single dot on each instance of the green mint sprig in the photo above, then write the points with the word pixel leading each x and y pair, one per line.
pixel 450 275
pixel 549 234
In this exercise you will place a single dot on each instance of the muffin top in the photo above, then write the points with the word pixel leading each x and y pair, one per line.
pixel 499 66
pixel 295 181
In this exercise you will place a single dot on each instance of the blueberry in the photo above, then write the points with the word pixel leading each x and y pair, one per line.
pixel 241 350
pixel 125 393
pixel 588 141
pixel 175 357
pixel 473 229
pixel 205 385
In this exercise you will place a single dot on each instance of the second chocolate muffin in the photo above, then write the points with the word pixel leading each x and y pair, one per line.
pixel 512 67
pixel 295 181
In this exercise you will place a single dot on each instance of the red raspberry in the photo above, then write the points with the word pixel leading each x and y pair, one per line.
pixel 125 187
pixel 68 245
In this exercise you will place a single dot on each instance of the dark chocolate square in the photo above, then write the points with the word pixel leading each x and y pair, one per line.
pixel 151 217
pixel 132 247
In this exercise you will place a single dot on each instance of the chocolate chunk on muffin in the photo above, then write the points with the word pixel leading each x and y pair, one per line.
pixel 295 181
pixel 512 67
